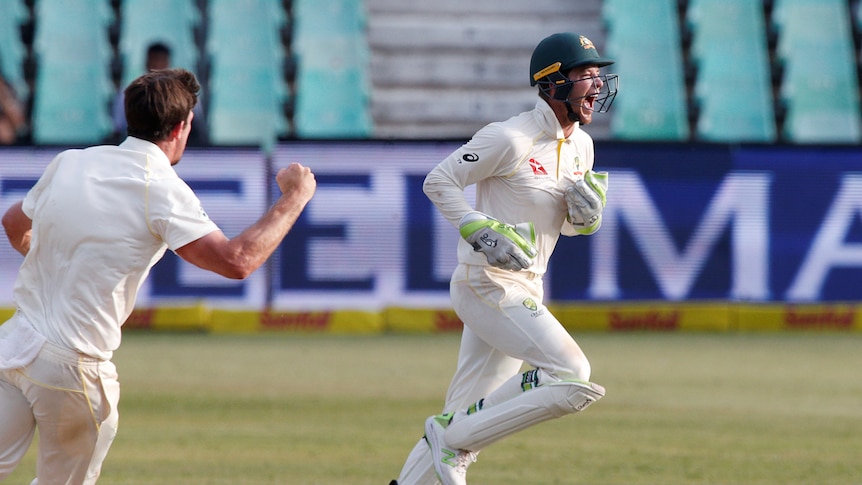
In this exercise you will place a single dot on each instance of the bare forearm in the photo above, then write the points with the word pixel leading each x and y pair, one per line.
pixel 18 228
pixel 239 257
pixel 257 243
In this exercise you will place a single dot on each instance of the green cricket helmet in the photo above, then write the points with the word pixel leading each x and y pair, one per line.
pixel 555 56
pixel 561 52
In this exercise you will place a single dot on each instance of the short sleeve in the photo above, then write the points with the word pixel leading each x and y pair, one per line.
pixel 32 197
pixel 176 215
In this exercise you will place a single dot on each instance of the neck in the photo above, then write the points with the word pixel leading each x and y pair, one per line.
pixel 567 122
pixel 170 149
pixel 565 115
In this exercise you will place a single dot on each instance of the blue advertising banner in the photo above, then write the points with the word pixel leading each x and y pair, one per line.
pixel 683 223
pixel 694 222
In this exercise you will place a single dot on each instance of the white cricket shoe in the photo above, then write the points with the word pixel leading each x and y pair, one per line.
pixel 450 464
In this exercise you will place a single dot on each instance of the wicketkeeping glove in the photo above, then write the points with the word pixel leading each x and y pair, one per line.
pixel 586 199
pixel 504 245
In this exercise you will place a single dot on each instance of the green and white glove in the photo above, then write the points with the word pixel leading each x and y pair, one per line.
pixel 587 198
pixel 504 245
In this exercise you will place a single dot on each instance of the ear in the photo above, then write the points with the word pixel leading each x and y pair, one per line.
pixel 177 129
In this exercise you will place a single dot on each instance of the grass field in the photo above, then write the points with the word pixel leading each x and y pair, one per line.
pixel 680 409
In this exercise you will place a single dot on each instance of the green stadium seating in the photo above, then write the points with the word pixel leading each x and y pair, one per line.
pixel 248 91
pixel 644 39
pixel 71 104
pixel 144 22
pixel 734 86
pixel 820 86
pixel 332 85
pixel 72 31
pixel 73 82
pixel 332 103
pixel 328 17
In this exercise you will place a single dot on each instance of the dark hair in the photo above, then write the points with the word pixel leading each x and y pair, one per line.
pixel 158 48
pixel 157 101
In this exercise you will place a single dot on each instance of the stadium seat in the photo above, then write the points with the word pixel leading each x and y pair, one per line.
pixel 727 116
pixel 734 83
pixel 820 86
pixel 248 90
pixel 332 53
pixel 328 17
pixel 241 126
pixel 333 57
pixel 237 45
pixel 72 32
pixel 645 116
pixel 643 38
pixel 246 32
pixel 71 104
pixel 805 22
pixel 823 126
pixel 332 104
pixel 247 106
pixel 824 89
pixel 260 87
pixel 143 22
pixel 99 11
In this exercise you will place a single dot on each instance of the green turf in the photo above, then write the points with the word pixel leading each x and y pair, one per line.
pixel 681 409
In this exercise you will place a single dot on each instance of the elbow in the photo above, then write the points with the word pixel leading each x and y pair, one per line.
pixel 431 187
pixel 243 273
pixel 237 271
pixel 239 268
pixel 427 186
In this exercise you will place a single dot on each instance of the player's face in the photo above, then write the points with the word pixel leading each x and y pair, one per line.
pixel 586 87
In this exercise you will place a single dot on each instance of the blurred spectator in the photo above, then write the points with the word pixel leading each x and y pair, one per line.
pixel 13 121
pixel 158 57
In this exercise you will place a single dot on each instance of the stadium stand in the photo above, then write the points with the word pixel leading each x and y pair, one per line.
pixel 644 38
pixel 73 80
pixel 733 89
pixel 246 55
pixel 820 85
pixel 171 22
pixel 332 85
pixel 70 104
pixel 691 70
pixel 444 69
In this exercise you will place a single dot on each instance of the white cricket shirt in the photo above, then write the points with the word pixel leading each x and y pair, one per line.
pixel 102 217
pixel 521 168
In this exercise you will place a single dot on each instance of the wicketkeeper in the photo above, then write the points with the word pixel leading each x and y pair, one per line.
pixel 534 181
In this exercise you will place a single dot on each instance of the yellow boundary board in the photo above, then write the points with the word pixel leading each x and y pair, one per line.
pixel 638 316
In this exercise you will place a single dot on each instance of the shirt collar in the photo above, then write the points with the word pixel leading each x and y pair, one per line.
pixel 548 121
pixel 150 148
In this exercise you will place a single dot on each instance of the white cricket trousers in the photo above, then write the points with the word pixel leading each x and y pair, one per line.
pixel 72 400
pixel 505 325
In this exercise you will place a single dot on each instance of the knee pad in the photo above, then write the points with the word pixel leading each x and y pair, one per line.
pixel 550 400
pixel 572 396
